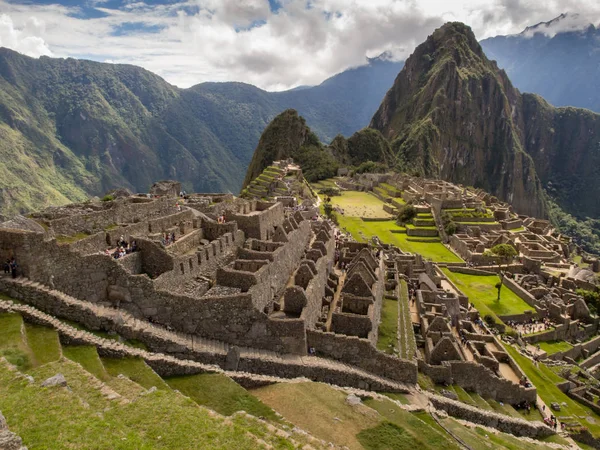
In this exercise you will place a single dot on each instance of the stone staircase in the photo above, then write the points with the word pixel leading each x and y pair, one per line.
pixel 174 353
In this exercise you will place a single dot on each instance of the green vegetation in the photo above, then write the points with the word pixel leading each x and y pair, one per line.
pixel 135 369
pixel 592 299
pixel 359 204
pixel 362 231
pixel 552 347
pixel 108 198
pixel 387 340
pixel 503 254
pixel 406 214
pixel 479 438
pixel 88 357
pixel 481 290
pixel 322 411
pixel 43 342
pixel 411 430
pixel 584 232
pixel 57 418
pixel 221 394
pixel 545 382
pixel 12 346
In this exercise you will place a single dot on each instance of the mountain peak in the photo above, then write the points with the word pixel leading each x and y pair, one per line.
pixel 564 23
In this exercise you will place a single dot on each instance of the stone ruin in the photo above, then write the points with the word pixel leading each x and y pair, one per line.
pixel 244 274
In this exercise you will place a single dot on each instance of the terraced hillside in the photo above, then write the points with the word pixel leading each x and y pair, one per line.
pixel 102 401
pixel 126 397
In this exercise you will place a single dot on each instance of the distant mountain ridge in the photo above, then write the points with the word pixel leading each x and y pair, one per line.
pixel 73 128
pixel 558 59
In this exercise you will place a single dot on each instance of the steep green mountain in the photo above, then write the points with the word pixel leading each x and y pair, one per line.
pixel 453 114
pixel 288 136
pixel 73 128
pixel 560 66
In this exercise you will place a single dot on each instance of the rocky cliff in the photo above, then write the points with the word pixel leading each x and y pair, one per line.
pixel 453 114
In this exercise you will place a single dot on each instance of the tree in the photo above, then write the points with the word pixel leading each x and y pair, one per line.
pixel 503 254
pixel 327 207
pixel 406 213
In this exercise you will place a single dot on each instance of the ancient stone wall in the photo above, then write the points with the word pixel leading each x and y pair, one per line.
pixel 502 422
pixel 259 224
pixel 130 210
pixel 361 353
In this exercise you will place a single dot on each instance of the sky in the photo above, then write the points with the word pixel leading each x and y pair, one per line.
pixel 273 44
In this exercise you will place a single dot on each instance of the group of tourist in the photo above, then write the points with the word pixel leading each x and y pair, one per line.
pixel 525 382
pixel 221 219
pixel 167 238
pixel 524 405
pixel 123 248
pixel 552 422
pixel 10 267
pixel 532 326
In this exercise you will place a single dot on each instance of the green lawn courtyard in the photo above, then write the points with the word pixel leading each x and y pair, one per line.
pixel 362 231
pixel 482 292
pixel 359 204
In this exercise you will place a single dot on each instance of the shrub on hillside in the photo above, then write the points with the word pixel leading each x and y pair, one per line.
pixel 406 213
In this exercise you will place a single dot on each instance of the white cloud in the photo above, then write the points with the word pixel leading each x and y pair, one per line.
pixel 243 40
pixel 24 40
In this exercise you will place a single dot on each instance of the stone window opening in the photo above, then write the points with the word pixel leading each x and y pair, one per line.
pixel 181 267
pixel 191 264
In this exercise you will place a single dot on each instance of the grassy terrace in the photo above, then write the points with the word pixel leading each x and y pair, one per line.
pixel 221 394
pixel 407 337
pixel 359 204
pixel 433 250
pixel 482 292
pixel 552 347
pixel 387 340
pixel 545 382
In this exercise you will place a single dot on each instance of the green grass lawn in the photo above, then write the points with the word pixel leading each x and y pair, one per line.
pixel 359 204
pixel 430 250
pixel 43 342
pixel 482 292
pixel 552 347
pixel 136 369
pixel 58 418
pixel 87 356
pixel 387 340
pixel 221 394
pixel 12 346
pixel 545 382
pixel 403 430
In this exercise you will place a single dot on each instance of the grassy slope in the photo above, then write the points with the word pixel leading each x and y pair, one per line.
pixel 44 343
pixel 135 369
pixel 56 418
pixel 411 431
pixel 12 345
pixel 545 382
pixel 221 394
pixel 482 292
pixel 552 347
pixel 320 410
pixel 388 328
